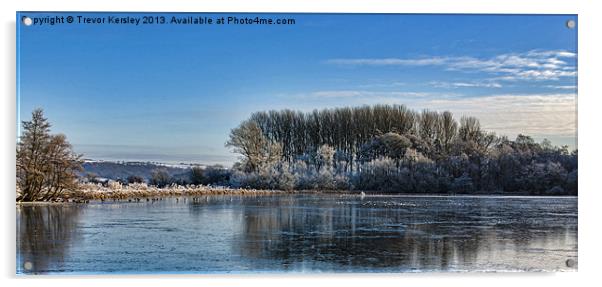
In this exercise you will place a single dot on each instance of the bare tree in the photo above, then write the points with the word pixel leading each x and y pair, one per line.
pixel 46 164
pixel 63 166
pixel 447 129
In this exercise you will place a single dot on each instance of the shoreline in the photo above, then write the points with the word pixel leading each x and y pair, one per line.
pixel 138 193
pixel 142 192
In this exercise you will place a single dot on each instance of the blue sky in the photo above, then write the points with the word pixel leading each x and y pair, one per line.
pixel 172 93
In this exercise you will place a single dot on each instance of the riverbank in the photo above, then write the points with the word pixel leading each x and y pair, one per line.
pixel 142 191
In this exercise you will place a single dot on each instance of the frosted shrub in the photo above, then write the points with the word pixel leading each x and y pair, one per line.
pixel 324 156
pixel 283 178
pixel 342 182
pixel 380 174
pixel 115 185
pixel 88 186
pixel 242 179
pixel 138 186
pixel 306 176
pixel 325 179
pixel 237 179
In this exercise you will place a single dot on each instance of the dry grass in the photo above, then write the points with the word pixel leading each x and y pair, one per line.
pixel 115 190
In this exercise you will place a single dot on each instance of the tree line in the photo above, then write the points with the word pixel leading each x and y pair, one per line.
pixel 392 148
pixel 382 148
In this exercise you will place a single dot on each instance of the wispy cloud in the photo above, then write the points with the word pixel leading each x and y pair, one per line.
pixel 565 87
pixel 365 94
pixel 487 84
pixel 390 62
pixel 552 53
pixel 532 65
pixel 393 84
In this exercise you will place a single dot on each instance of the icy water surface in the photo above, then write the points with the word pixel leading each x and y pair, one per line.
pixel 299 233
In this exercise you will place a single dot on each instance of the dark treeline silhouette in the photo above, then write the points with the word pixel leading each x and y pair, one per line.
pixel 391 148
pixel 210 175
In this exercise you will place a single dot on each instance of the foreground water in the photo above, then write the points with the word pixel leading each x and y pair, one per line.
pixel 299 233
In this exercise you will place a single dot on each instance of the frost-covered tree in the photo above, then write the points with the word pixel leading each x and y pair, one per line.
pixel 428 126
pixel 63 165
pixel 284 179
pixel 160 178
pixel 325 156
pixel 394 149
pixel 382 174
pixel 446 131
pixel 46 164
pixel 257 150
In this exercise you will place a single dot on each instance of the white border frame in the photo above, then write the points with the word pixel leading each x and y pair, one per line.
pixel 589 139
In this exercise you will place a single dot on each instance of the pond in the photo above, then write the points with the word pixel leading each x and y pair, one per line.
pixel 299 233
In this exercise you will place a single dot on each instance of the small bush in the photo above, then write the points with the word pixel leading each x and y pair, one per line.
pixel 134 179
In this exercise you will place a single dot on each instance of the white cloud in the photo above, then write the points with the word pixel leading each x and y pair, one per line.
pixel 394 84
pixel 364 94
pixel 553 53
pixel 537 115
pixel 487 84
pixel 565 87
pixel 540 115
pixel 390 62
pixel 337 94
pixel 534 65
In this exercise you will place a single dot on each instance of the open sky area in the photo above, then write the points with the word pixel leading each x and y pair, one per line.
pixel 172 92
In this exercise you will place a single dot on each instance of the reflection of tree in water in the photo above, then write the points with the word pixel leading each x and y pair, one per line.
pixel 44 233
pixel 350 233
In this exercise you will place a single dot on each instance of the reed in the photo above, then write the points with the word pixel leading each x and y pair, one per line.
pixel 136 191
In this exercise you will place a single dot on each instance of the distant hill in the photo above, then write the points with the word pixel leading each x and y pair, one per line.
pixel 122 170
